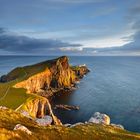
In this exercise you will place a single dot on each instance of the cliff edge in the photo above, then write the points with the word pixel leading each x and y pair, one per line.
pixel 42 79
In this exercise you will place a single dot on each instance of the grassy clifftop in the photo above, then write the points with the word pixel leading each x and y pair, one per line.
pixel 13 97
pixel 43 78
pixel 9 118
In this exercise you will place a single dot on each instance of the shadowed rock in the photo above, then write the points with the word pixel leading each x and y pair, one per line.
pixel 46 120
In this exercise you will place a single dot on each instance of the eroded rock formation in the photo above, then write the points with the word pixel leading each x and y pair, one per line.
pixel 37 82
pixel 38 108
pixel 58 75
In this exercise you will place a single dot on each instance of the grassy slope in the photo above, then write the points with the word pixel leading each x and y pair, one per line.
pixel 9 118
pixel 17 75
pixel 9 95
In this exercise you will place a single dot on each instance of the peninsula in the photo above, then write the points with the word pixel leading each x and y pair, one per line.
pixel 26 112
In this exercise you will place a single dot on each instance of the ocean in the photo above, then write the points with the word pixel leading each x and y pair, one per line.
pixel 112 87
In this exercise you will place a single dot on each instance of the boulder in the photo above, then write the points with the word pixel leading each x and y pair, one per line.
pixel 100 118
pixel 26 114
pixel 3 107
pixel 67 125
pixel 22 128
pixel 79 123
pixel 117 125
pixel 66 107
pixel 46 120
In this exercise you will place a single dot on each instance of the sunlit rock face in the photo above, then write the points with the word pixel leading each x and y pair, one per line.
pixel 100 118
pixel 45 79
pixel 62 74
pixel 58 74
pixel 80 70
pixel 37 82
pixel 38 108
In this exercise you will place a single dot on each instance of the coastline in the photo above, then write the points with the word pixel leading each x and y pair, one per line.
pixel 35 106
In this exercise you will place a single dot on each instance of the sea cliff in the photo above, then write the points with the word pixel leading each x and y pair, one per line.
pixel 41 81
pixel 57 75
pixel 26 112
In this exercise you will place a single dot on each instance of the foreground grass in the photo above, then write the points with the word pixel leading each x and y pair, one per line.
pixel 9 118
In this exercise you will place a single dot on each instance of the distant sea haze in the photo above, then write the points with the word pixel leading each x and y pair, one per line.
pixel 112 87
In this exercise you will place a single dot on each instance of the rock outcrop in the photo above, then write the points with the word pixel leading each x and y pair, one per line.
pixel 66 107
pixel 3 107
pixel 80 70
pixel 57 75
pixel 46 120
pixel 117 125
pixel 22 128
pixel 37 82
pixel 100 118
pixel 38 108
pixel 45 79
pixel 97 118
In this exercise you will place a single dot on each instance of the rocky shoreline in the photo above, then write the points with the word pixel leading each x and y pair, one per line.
pixel 97 118
pixel 66 107
pixel 57 77
pixel 14 125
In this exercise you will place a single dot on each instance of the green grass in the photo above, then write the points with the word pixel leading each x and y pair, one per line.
pixel 75 68
pixel 13 97
pixel 22 73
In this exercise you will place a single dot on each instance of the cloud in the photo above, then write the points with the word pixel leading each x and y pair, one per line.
pixel 16 44
pixel 131 48
pixel 134 16
pixel 2 30
pixel 71 49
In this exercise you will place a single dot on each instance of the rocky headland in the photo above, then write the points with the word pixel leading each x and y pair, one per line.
pixel 33 118
pixel 43 80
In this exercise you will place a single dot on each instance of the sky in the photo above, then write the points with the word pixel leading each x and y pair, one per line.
pixel 70 27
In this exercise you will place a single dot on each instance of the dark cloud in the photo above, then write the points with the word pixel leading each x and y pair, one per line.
pixel 25 45
pixel 133 47
pixel 134 17
pixel 2 30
